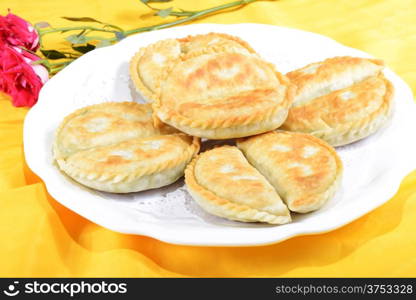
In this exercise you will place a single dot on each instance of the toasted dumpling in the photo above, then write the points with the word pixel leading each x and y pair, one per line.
pixel 340 100
pixel 223 183
pixel 106 124
pixel 114 147
pixel 320 78
pixel 149 66
pixel 222 95
pixel 304 170
pixel 222 42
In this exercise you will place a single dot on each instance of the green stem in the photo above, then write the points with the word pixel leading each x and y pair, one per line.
pixel 192 16
pixel 185 16
pixel 64 29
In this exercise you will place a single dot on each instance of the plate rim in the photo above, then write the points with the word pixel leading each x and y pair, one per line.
pixel 396 175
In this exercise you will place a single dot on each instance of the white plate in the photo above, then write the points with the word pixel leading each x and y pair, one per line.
pixel 374 167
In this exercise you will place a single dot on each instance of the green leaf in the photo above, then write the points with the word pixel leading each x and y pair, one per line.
pixel 164 12
pixel 96 38
pixel 42 25
pixel 82 19
pixel 52 54
pixel 77 39
pixel 88 19
pixel 150 1
pixel 84 49
pixel 119 36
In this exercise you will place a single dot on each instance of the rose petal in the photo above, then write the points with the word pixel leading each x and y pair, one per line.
pixel 42 72
pixel 15 31
pixel 19 77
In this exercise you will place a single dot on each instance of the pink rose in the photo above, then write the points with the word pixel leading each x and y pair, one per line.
pixel 18 77
pixel 17 32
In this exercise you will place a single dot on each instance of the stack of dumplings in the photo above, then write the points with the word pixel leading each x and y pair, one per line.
pixel 215 86
pixel 212 86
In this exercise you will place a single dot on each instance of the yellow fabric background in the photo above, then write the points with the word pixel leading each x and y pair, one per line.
pixel 39 237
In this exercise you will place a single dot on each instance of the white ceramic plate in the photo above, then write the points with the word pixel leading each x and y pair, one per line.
pixel 374 167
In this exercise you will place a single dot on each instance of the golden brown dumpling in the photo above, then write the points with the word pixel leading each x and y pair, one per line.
pixel 114 147
pixel 340 100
